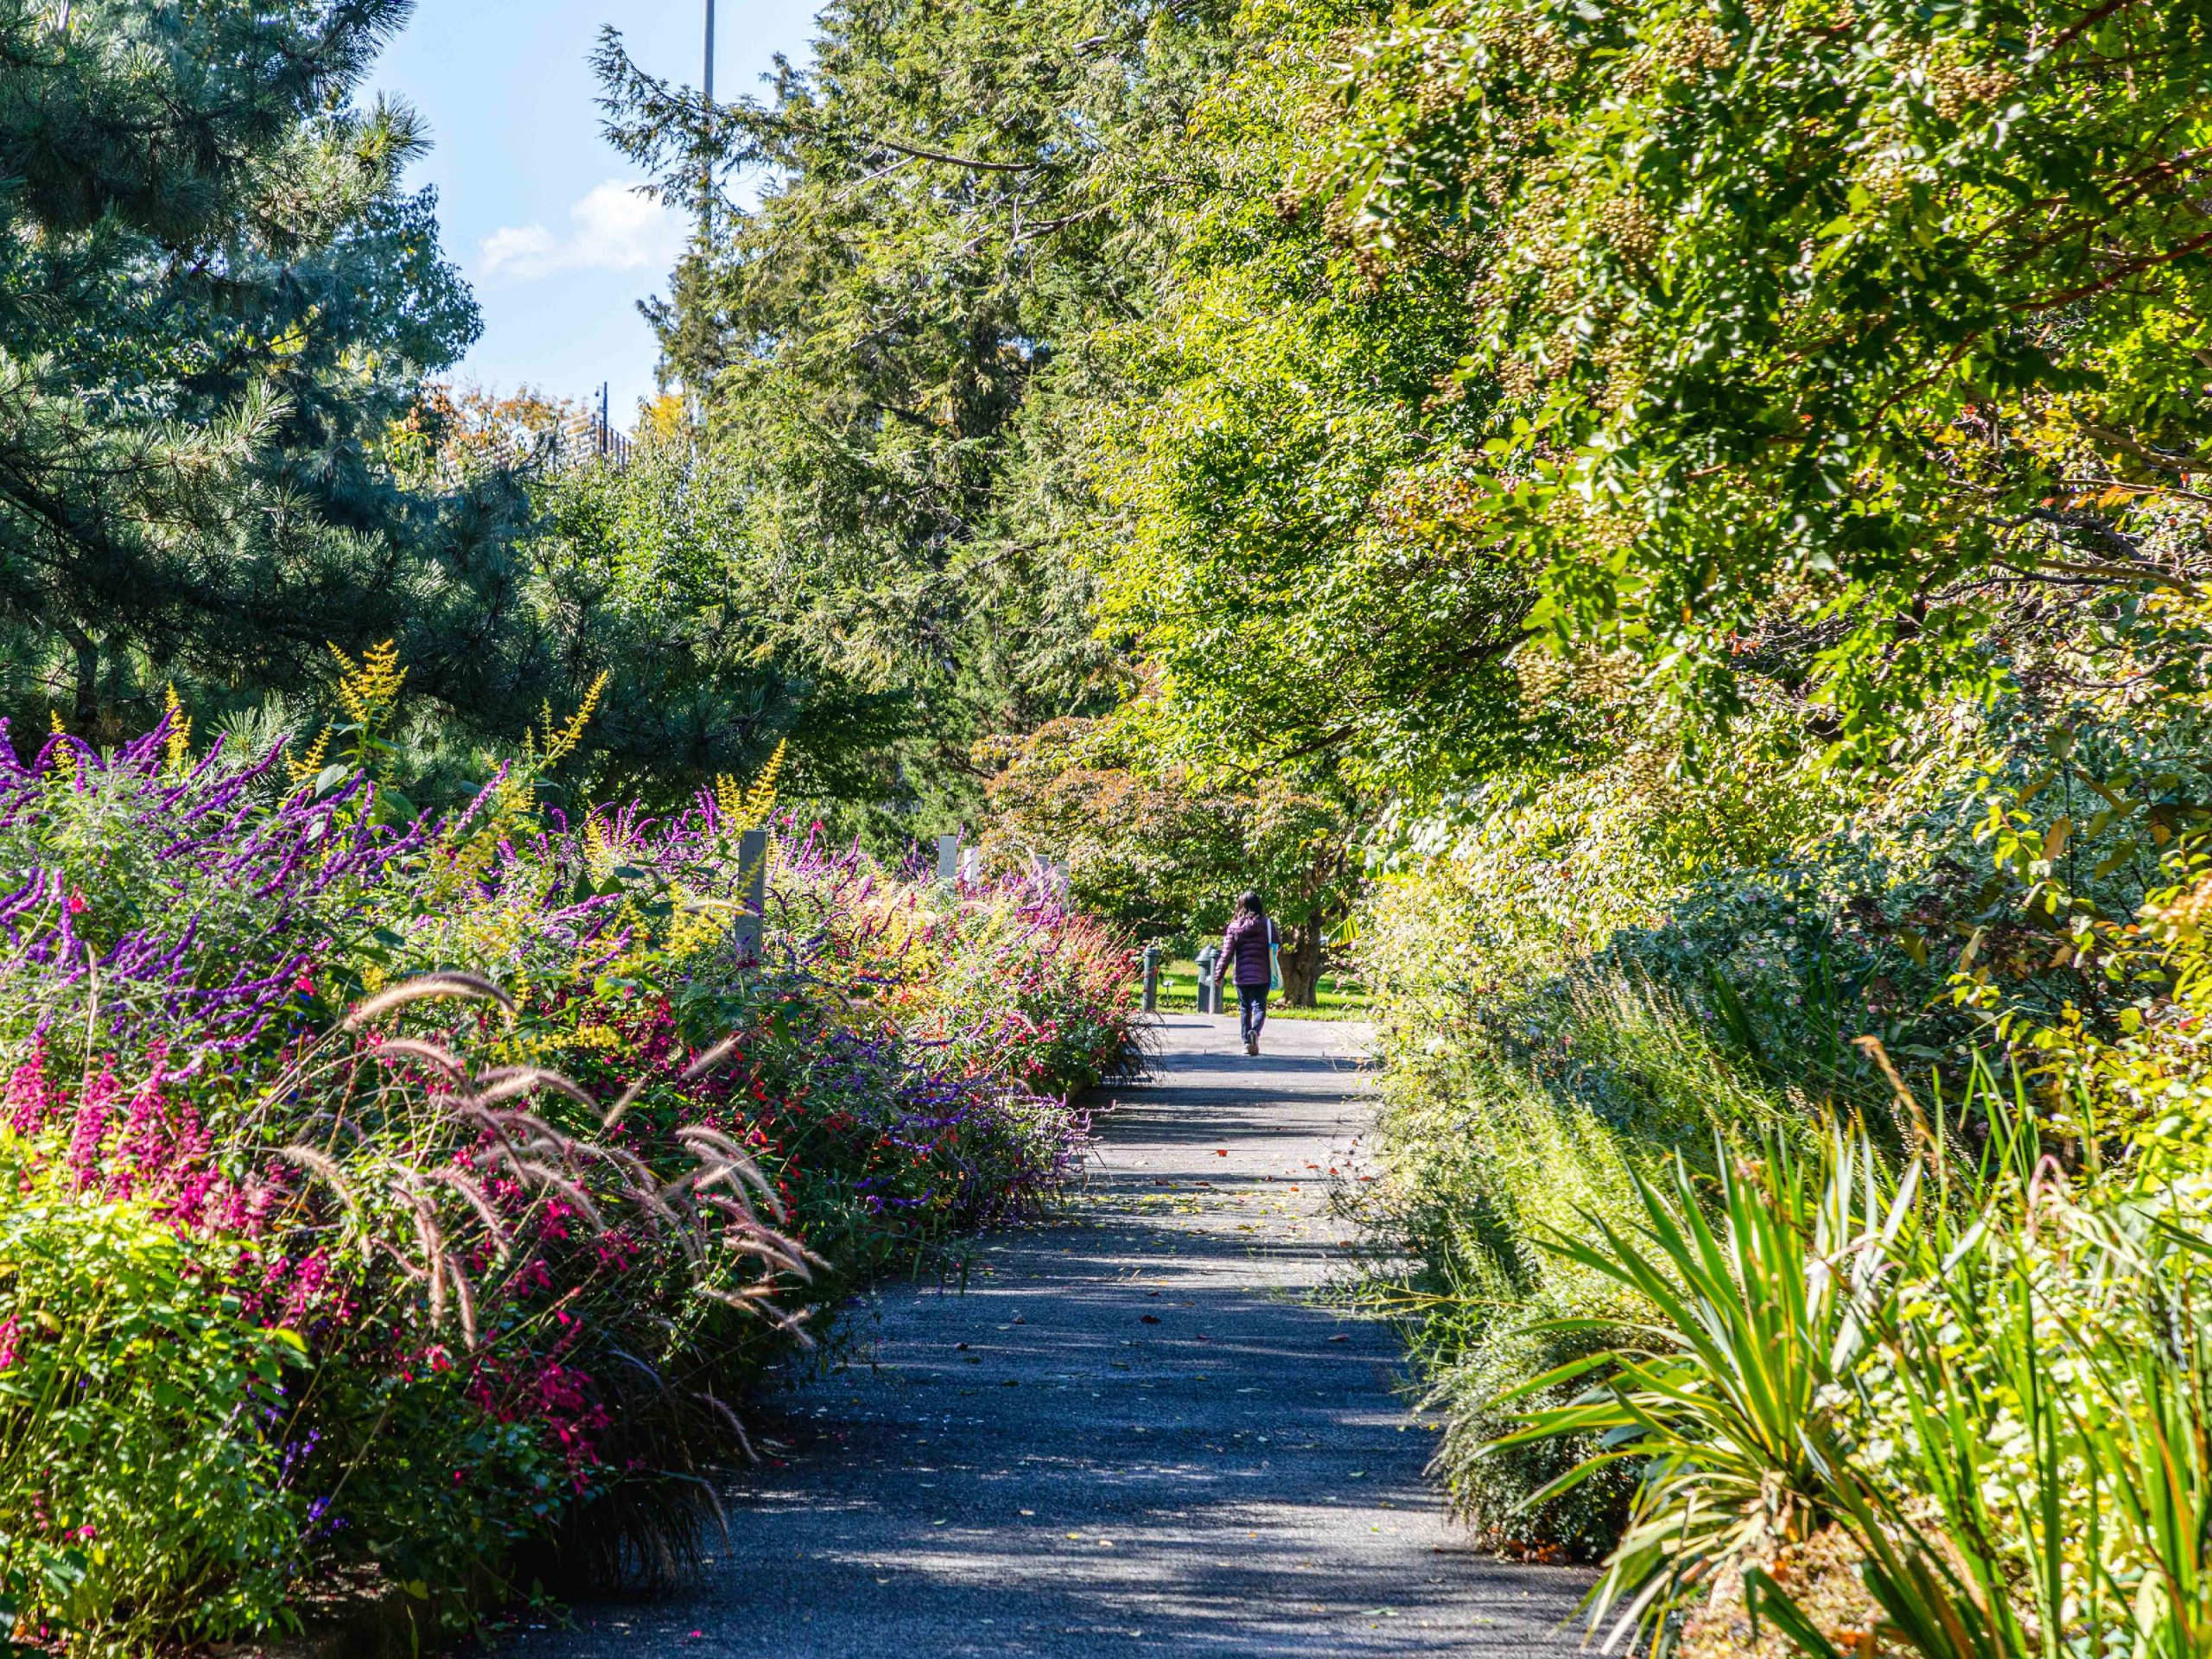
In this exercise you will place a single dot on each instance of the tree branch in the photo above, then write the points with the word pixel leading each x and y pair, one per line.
pixel 947 157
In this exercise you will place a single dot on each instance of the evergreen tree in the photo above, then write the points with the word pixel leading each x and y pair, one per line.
pixel 216 301
pixel 892 350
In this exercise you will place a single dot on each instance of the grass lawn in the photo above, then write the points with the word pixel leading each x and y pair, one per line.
pixel 1340 996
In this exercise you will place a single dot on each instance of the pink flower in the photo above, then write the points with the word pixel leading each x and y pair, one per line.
pixel 91 1127
pixel 32 1096
pixel 76 902
pixel 9 1334
pixel 304 984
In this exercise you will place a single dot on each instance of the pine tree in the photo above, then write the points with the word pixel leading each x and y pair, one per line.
pixel 891 348
pixel 216 301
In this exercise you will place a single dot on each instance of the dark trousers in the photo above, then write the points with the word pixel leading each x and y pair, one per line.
pixel 1251 1009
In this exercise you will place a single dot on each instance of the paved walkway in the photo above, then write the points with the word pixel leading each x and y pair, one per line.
pixel 1134 1432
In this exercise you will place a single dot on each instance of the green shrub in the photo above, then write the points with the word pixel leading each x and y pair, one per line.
pixel 1511 1117
pixel 1996 1390
pixel 135 1485
pixel 1583 972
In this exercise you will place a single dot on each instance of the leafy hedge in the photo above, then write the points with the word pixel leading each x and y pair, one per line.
pixel 1821 1224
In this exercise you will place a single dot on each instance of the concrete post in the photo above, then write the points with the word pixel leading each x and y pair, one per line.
pixel 1152 979
pixel 753 863
pixel 1209 995
pixel 948 857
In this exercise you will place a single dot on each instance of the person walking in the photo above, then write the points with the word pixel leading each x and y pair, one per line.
pixel 1248 949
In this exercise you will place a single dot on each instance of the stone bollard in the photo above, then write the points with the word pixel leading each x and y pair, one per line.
pixel 948 857
pixel 1209 992
pixel 1152 979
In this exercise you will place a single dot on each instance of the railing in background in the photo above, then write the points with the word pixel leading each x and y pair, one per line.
pixel 607 443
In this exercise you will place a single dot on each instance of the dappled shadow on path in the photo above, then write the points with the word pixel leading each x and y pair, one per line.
pixel 1133 1430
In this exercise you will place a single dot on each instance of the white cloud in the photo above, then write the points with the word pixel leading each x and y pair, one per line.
pixel 615 228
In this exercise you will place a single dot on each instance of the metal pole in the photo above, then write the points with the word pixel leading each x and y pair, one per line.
pixel 1152 979
pixel 706 160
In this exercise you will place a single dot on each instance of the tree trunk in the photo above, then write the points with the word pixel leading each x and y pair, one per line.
pixel 1301 963
pixel 86 713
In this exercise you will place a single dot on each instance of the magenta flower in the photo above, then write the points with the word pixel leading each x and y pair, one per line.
pixel 90 1130
pixel 33 1098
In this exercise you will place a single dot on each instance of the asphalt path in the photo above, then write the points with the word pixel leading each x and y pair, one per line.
pixel 1140 1427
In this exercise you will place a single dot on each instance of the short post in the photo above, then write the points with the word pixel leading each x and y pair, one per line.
pixel 948 857
pixel 1209 993
pixel 753 866
pixel 1152 979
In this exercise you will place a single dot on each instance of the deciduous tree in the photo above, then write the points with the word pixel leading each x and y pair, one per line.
pixel 1167 850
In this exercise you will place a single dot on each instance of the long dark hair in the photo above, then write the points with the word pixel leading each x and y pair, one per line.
pixel 1249 904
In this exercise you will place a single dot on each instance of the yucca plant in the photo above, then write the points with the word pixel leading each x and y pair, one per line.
pixel 1732 1406
pixel 2033 1360
pixel 2095 1538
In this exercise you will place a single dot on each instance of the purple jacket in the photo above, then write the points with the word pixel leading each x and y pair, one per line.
pixel 1244 949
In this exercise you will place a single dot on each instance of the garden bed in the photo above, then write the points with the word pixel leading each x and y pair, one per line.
pixel 420 1199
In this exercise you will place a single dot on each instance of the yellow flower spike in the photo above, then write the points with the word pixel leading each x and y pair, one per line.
pixel 65 758
pixel 308 766
pixel 760 800
pixel 368 691
pixel 558 746
pixel 599 854
pixel 177 746
pixel 748 808
pixel 512 811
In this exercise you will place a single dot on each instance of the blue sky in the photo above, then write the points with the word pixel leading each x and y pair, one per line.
pixel 536 208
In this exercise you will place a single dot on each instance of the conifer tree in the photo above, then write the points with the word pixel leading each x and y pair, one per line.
pixel 891 348
pixel 217 299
